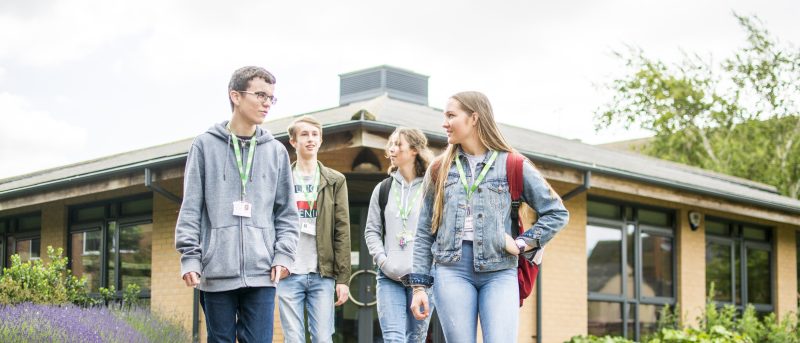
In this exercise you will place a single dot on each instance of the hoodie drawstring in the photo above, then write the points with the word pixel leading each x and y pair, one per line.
pixel 227 151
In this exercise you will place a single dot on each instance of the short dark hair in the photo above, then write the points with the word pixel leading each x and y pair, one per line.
pixel 241 78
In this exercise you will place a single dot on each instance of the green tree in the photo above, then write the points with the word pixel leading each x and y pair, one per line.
pixel 739 116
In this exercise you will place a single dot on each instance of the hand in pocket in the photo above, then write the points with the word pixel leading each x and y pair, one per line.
pixel 511 245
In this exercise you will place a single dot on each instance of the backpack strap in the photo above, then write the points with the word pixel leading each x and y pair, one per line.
pixel 383 199
pixel 514 175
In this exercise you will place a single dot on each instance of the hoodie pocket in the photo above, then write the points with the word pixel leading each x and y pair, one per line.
pixel 223 256
pixel 397 264
pixel 258 244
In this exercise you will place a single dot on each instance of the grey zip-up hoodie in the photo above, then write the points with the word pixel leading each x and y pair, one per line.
pixel 231 252
pixel 386 252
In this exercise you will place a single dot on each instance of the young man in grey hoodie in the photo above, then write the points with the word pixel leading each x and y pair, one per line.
pixel 237 227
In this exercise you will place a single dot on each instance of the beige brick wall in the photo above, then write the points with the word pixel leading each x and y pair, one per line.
pixel 785 278
pixel 691 249
pixel 54 223
pixel 169 295
pixel 564 277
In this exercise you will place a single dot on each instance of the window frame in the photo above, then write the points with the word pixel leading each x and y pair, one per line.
pixel 13 232
pixel 112 210
pixel 740 246
pixel 629 216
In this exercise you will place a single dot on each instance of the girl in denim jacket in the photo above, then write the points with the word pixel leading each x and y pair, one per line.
pixel 465 226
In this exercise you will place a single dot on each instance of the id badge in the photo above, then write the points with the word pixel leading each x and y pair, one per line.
pixel 308 229
pixel 242 209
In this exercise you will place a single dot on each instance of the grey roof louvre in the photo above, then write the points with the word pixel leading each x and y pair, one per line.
pixel 395 82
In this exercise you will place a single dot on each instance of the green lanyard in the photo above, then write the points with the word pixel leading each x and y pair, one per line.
pixel 485 170
pixel 404 212
pixel 309 199
pixel 244 171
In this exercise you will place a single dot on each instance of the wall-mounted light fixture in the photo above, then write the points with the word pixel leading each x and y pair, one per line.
pixel 694 220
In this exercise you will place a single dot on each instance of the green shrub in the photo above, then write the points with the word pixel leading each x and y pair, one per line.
pixel 717 325
pixel 41 283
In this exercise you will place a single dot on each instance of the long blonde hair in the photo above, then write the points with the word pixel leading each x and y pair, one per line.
pixel 489 135
pixel 418 142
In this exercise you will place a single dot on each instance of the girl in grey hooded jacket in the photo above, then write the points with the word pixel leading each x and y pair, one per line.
pixel 392 245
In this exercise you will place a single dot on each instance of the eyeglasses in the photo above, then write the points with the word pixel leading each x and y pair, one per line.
pixel 263 97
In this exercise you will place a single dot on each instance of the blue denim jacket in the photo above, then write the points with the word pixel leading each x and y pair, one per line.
pixel 491 208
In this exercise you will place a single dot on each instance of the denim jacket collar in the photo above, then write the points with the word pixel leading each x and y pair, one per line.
pixel 463 156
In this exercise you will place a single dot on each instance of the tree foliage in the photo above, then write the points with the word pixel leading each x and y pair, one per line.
pixel 739 116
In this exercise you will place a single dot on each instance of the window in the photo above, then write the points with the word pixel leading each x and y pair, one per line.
pixel 20 235
pixel 739 264
pixel 631 267
pixel 111 243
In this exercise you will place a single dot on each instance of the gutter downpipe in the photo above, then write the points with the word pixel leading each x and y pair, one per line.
pixel 148 182
pixel 587 184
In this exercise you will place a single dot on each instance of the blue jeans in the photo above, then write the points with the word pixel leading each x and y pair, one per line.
pixel 300 292
pixel 463 295
pixel 394 314
pixel 244 314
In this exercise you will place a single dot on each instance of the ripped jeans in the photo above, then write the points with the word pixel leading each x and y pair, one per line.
pixel 394 314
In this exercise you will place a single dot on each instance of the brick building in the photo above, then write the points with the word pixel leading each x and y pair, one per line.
pixel 630 246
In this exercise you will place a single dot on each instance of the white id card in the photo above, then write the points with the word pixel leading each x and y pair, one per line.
pixel 308 229
pixel 242 209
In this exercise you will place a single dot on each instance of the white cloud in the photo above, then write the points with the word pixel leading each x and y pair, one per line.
pixel 32 140
pixel 66 30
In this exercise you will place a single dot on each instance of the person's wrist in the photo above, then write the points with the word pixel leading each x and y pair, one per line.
pixel 521 245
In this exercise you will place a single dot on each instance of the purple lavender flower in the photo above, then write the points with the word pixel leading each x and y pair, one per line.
pixel 68 323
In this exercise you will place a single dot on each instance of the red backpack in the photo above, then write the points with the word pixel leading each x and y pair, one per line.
pixel 526 270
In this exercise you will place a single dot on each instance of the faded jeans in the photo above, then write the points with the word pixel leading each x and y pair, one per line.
pixel 300 292
pixel 397 323
pixel 463 295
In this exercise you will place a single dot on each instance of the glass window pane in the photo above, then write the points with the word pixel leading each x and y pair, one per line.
pixel 654 218
pixel 717 228
pixel 142 206
pixel 630 270
pixel 755 234
pixel 90 214
pixel 630 321
pixel 30 223
pixel 85 257
pixel 9 250
pixel 27 249
pixel 111 263
pixel 604 255
pixel 758 277
pixel 648 318
pixel 603 210
pixel 3 226
pixel 605 318
pixel 135 246
pixel 657 266
pixel 718 270
pixel 737 272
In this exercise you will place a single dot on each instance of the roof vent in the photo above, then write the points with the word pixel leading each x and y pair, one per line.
pixel 373 82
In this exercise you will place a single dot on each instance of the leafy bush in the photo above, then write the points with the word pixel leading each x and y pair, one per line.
pixel 41 283
pixel 38 304
pixel 716 325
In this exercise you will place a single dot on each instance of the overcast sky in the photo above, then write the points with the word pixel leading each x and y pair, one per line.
pixel 86 79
